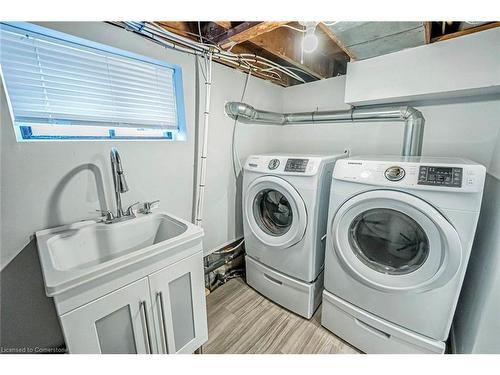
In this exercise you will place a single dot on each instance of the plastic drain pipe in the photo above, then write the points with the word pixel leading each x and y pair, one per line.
pixel 413 119
pixel 200 188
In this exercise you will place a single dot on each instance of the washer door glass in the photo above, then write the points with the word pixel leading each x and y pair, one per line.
pixel 272 212
pixel 388 241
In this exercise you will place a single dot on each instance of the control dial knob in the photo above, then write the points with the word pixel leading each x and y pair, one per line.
pixel 395 173
pixel 273 164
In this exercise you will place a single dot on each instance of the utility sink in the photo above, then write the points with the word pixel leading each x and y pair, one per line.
pixel 86 251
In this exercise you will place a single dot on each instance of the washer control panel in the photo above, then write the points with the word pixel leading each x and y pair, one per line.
pixel 289 165
pixel 296 165
pixel 440 176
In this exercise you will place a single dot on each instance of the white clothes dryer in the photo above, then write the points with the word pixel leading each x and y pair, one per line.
pixel 400 232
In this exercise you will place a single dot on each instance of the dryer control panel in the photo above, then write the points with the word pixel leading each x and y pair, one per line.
pixel 443 174
pixel 440 176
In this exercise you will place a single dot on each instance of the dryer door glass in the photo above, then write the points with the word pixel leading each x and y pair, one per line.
pixel 388 241
pixel 272 212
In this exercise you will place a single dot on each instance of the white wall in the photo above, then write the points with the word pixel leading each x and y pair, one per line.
pixel 468 129
pixel 477 326
pixel 222 216
pixel 455 68
pixel 48 184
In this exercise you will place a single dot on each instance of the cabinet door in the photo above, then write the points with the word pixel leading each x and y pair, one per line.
pixel 178 295
pixel 118 322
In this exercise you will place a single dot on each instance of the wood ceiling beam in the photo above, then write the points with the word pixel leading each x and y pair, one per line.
pixel 285 44
pixel 277 43
pixel 466 32
pixel 268 40
pixel 245 31
pixel 224 24
pixel 336 40
pixel 181 28
pixel 212 29
pixel 428 31
pixel 284 48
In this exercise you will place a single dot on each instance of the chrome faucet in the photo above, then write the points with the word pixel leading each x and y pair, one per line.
pixel 120 186
pixel 119 181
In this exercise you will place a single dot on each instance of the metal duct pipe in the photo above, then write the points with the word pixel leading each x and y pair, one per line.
pixel 413 119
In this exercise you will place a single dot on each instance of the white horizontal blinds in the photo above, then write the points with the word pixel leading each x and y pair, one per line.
pixel 53 81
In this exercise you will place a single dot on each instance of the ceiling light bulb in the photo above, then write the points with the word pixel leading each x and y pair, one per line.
pixel 310 42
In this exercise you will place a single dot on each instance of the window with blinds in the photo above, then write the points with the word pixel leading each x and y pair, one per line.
pixel 62 87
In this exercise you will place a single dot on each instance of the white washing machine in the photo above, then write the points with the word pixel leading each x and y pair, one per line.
pixel 400 232
pixel 285 207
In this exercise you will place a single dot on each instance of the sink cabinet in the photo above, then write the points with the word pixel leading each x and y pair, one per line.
pixel 163 312
pixel 114 323
pixel 178 304
pixel 135 286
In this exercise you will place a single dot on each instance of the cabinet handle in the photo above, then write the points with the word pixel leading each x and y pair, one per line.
pixel 146 320
pixel 163 325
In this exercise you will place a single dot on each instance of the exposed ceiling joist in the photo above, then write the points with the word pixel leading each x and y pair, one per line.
pixel 181 28
pixel 336 40
pixel 224 24
pixel 210 30
pixel 366 39
pixel 427 28
pixel 283 43
pixel 245 31
pixel 466 32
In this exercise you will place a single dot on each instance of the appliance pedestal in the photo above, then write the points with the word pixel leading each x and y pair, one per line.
pixel 297 296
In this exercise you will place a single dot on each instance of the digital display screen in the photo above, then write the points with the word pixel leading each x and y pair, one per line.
pixel 296 165
pixel 440 176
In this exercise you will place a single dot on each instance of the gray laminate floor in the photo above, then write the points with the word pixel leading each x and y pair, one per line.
pixel 240 320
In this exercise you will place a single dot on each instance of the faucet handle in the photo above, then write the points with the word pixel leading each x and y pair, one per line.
pixel 129 211
pixel 107 215
pixel 148 206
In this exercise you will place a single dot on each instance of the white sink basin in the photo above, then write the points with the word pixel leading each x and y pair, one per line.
pixel 75 254
pixel 95 244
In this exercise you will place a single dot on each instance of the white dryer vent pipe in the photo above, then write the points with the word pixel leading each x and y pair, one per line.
pixel 412 118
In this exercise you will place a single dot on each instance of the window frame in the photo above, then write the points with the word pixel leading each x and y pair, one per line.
pixel 24 133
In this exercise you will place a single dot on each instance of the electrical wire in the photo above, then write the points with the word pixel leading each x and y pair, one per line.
pixel 292 68
pixel 174 41
pixel 222 251
pixel 295 28
pixel 329 23
pixel 156 32
pixel 199 32
pixel 234 149
pixel 216 50
pixel 202 70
